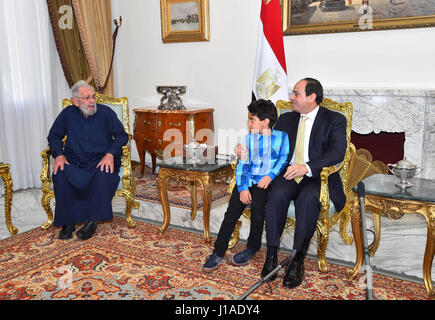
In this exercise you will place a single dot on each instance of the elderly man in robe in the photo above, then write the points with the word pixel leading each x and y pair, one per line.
pixel 85 169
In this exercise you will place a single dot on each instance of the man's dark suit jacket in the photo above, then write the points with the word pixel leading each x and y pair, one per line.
pixel 327 146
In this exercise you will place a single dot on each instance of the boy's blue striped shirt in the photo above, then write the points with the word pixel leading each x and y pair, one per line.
pixel 268 155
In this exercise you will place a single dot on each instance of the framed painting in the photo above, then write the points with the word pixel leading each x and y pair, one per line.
pixel 325 16
pixel 184 20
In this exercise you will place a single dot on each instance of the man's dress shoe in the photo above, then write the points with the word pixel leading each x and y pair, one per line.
pixel 67 231
pixel 269 265
pixel 87 231
pixel 294 274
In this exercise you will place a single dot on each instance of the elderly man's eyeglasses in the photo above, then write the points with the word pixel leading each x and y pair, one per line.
pixel 93 97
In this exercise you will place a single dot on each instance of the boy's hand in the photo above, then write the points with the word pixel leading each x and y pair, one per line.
pixel 241 152
pixel 245 197
pixel 264 182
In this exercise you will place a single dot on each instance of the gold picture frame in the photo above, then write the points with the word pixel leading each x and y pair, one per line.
pixel 185 20
pixel 314 17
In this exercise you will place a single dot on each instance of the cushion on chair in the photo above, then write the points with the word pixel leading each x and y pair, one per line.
pixel 117 108
pixel 121 173
pixel 291 209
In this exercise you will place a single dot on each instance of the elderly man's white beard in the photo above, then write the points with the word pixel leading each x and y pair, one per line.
pixel 84 109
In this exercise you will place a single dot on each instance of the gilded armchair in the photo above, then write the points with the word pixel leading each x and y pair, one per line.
pixel 127 184
pixel 328 216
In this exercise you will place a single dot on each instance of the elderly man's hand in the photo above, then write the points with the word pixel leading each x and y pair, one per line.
pixel 59 162
pixel 106 164
pixel 241 152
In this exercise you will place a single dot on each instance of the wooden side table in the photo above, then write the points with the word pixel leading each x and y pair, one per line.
pixel 155 129
pixel 7 181
pixel 205 174
pixel 383 197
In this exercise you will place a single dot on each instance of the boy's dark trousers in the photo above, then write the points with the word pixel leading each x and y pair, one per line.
pixel 232 215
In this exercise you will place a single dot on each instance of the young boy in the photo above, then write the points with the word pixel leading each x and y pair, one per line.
pixel 267 156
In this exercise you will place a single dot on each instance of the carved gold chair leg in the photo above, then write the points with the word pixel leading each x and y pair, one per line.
pixel 136 204
pixel 47 194
pixel 45 202
pixel 344 222
pixel 128 218
pixel 8 187
pixel 356 230
pixel 132 203
pixel 322 243
pixel 129 203
pixel 236 234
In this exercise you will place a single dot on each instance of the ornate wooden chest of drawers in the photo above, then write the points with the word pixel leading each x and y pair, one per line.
pixel 155 130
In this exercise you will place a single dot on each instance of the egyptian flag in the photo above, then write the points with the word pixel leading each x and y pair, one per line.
pixel 270 76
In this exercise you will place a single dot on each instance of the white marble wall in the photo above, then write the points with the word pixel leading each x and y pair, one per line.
pixel 396 110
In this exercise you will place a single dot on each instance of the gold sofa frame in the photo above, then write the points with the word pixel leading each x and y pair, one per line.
pixel 127 186
pixel 324 222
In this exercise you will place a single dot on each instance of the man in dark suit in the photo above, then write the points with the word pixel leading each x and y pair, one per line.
pixel 322 143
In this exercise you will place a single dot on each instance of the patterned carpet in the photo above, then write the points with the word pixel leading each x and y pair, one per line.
pixel 121 263
pixel 178 192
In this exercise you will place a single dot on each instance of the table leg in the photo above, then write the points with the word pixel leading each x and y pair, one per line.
pixel 193 196
pixel 162 186
pixel 207 185
pixel 142 161
pixel 141 152
pixel 377 230
pixel 357 236
pixel 7 180
pixel 153 162
pixel 429 251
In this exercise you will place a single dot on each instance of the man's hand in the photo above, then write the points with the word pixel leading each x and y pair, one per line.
pixel 245 197
pixel 295 170
pixel 59 162
pixel 106 163
pixel 264 182
pixel 241 152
